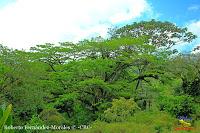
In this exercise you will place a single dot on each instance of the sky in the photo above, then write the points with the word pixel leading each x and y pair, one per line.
pixel 26 23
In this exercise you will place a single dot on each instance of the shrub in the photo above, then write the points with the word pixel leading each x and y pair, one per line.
pixel 121 109
pixel 52 117
pixel 81 115
pixel 35 121
pixel 177 105
pixel 196 115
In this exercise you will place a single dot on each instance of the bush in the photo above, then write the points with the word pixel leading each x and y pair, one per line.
pixel 196 116
pixel 141 122
pixel 35 121
pixel 81 115
pixel 52 117
pixel 121 109
pixel 158 120
pixel 177 105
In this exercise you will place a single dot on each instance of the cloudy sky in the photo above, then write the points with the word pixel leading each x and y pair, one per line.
pixel 25 23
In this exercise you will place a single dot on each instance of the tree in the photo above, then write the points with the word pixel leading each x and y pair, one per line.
pixel 161 34
pixel 24 83
pixel 187 68
pixel 76 83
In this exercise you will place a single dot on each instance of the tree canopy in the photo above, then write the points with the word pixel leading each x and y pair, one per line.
pixel 102 79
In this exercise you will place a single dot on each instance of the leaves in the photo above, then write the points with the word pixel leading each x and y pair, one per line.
pixel 161 34
pixel 76 83
pixel 121 109
pixel 5 119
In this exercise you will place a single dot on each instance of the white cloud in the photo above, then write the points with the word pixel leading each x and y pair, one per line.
pixel 194 27
pixel 25 23
pixel 194 8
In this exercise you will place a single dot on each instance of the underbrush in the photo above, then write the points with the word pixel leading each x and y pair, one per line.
pixel 141 122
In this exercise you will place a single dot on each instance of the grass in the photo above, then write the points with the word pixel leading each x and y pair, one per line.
pixel 141 122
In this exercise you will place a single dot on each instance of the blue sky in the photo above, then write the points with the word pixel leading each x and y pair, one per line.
pixel 25 23
pixel 5 2
pixel 185 13
pixel 178 11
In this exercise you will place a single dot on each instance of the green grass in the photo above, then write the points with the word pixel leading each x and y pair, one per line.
pixel 142 122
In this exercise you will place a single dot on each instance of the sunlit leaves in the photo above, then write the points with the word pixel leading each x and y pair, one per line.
pixel 161 34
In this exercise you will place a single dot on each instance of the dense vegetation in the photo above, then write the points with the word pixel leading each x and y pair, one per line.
pixel 131 82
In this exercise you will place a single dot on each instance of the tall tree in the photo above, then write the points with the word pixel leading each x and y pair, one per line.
pixel 161 34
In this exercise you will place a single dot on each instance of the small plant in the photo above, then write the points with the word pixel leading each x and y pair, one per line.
pixel 121 109
pixel 158 129
pixel 184 123
pixel 5 119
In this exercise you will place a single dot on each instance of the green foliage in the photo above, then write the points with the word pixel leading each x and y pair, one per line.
pixel 78 83
pixel 5 119
pixel 35 121
pixel 177 105
pixel 142 121
pixel 161 34
pixel 121 109
pixel 187 68
pixel 72 108
pixel 196 115
pixel 82 116
pixel 158 120
pixel 52 117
